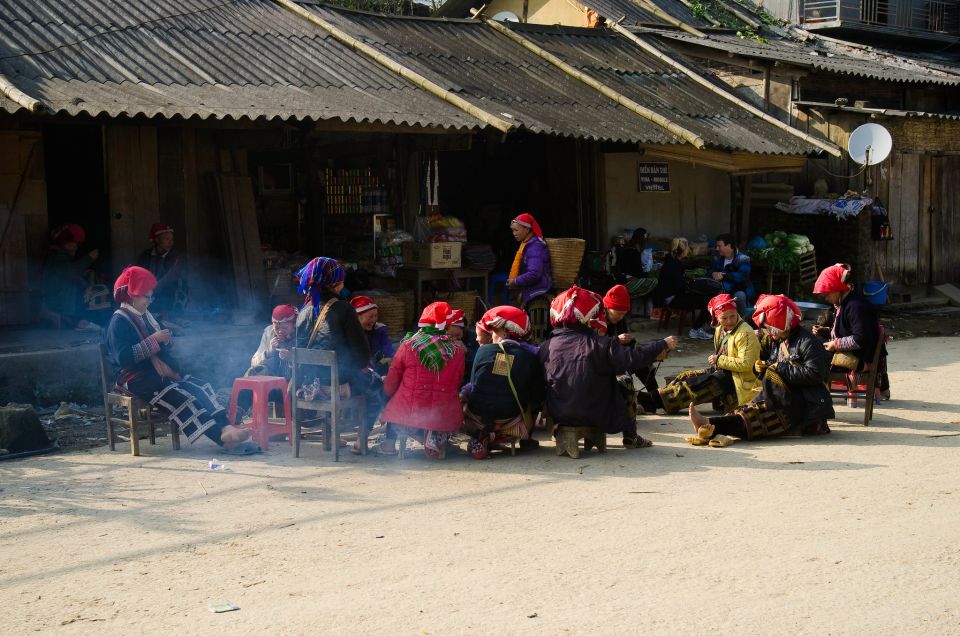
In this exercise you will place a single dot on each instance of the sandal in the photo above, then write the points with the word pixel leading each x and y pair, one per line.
pixel 722 441
pixel 637 442
pixel 696 441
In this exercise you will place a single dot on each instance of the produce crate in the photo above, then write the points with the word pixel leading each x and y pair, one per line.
pixel 432 255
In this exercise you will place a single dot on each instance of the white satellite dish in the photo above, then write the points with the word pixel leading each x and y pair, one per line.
pixel 869 144
pixel 506 16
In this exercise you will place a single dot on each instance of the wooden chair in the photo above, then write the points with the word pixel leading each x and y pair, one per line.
pixel 336 407
pixel 539 311
pixel 867 377
pixel 666 313
pixel 568 440
pixel 138 411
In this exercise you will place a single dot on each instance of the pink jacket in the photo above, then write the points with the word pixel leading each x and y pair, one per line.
pixel 420 398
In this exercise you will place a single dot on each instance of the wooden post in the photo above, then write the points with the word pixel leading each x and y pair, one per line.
pixel 747 194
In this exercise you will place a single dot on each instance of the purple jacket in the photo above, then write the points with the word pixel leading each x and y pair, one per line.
pixel 535 271
pixel 582 368
pixel 380 347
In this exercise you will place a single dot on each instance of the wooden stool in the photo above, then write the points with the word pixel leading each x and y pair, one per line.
pixel 263 427
pixel 568 440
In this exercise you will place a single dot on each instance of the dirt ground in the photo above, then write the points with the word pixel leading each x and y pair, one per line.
pixel 854 532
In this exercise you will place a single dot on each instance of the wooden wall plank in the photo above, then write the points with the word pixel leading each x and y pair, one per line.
pixel 892 248
pixel 947 237
pixel 928 166
pixel 133 188
pixel 909 218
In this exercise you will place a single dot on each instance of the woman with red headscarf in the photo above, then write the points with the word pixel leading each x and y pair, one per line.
pixel 423 385
pixel 582 366
pixel 63 279
pixel 139 349
pixel 729 381
pixel 162 261
pixel 855 334
pixel 531 272
pixel 506 384
pixel 793 395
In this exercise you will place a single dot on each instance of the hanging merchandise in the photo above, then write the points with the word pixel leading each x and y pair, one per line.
pixel 433 182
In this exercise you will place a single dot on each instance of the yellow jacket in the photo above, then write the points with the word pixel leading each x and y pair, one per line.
pixel 743 350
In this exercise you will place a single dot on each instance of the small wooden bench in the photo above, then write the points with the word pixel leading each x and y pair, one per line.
pixel 568 440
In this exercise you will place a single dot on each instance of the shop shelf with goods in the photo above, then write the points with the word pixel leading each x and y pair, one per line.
pixel 356 211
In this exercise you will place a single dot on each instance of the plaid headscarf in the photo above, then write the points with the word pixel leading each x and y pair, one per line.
pixel 431 344
pixel 578 306
pixel 317 275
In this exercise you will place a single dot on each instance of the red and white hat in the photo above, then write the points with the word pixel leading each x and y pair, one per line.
pixel 435 315
pixel 363 304
pixel 514 320
pixel 776 314
pixel 456 318
pixel 719 304
pixel 159 228
pixel 284 313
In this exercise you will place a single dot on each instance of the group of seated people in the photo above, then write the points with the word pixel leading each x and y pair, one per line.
pixel 767 381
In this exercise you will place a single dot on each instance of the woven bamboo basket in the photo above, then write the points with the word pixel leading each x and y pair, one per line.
pixel 392 312
pixel 566 255
pixel 465 300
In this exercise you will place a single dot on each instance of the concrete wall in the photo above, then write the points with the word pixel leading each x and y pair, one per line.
pixel 563 12
pixel 698 201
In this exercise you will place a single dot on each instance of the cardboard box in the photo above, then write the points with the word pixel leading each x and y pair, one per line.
pixel 432 255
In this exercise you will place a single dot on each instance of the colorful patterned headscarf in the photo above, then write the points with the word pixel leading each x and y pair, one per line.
pixel 514 320
pixel 719 304
pixel 578 306
pixel 776 314
pixel 316 276
pixel 833 279
pixel 432 346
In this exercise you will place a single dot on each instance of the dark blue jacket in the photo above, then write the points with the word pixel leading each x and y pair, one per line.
pixel 737 274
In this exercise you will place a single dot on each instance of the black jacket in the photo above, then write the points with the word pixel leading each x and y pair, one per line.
pixel 342 333
pixel 804 370
pixel 492 398
pixel 581 370
pixel 858 318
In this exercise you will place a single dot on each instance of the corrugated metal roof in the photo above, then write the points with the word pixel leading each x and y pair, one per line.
pixel 633 72
pixel 826 56
pixel 504 78
pixel 498 75
pixel 200 58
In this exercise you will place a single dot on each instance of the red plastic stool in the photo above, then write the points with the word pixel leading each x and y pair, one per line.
pixel 262 425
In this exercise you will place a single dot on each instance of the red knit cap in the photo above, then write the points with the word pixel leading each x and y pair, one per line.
pixel 69 233
pixel 435 315
pixel 133 281
pixel 284 313
pixel 617 299
pixel 833 279
pixel 719 304
pixel 363 304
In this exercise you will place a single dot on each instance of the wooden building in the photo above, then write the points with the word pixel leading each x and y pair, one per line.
pixel 229 122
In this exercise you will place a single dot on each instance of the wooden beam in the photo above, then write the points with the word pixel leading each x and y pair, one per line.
pixel 14 94
pixel 658 119
pixel 695 76
pixel 669 19
pixel 365 49
pixel 735 163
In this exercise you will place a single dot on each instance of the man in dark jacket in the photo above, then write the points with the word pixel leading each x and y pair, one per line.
pixel 793 370
pixel 731 268
pixel 582 366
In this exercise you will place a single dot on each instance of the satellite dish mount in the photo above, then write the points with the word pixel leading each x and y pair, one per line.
pixel 869 145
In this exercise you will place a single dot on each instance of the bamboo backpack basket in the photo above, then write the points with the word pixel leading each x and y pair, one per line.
pixel 566 256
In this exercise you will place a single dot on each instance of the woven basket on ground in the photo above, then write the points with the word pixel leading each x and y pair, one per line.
pixel 566 255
